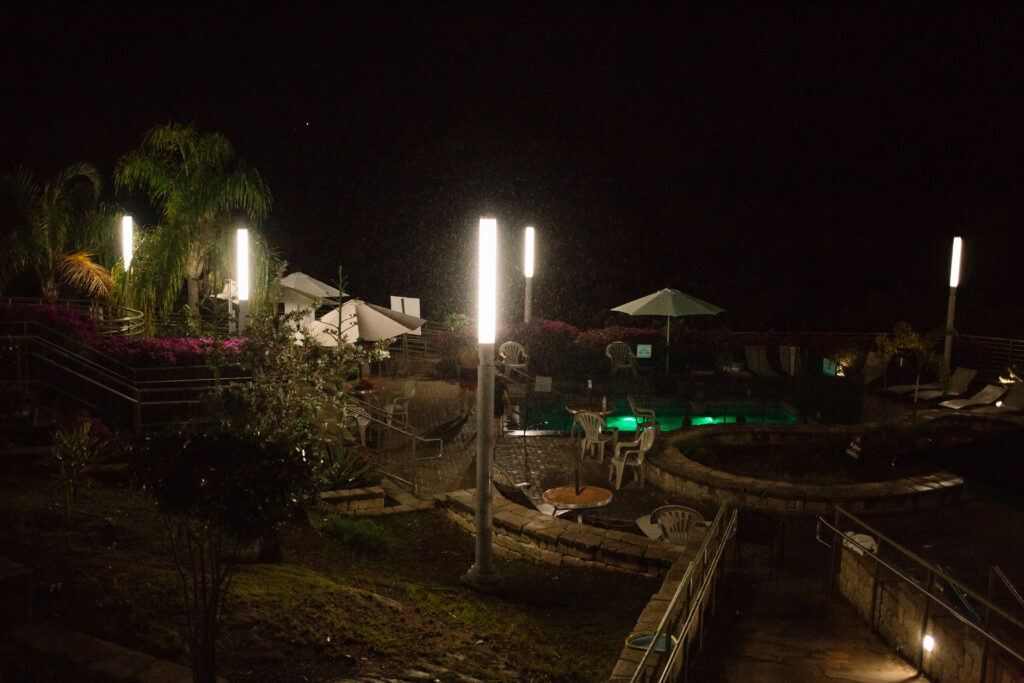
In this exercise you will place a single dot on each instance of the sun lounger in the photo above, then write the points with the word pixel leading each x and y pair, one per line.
pixel 1013 402
pixel 957 385
pixel 757 361
pixel 990 394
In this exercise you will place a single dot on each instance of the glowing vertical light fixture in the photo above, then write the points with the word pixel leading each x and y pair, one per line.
pixel 528 273
pixel 487 281
pixel 127 241
pixel 242 263
pixel 482 575
pixel 954 282
pixel 929 643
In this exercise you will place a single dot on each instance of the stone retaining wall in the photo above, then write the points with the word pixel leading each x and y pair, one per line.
pixel 674 473
pixel 899 615
pixel 529 534
pixel 367 501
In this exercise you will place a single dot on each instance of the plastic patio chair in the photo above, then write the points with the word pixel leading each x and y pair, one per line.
pixel 596 434
pixel 631 453
pixel 676 522
pixel 622 357
pixel 513 356
pixel 644 416
pixel 399 406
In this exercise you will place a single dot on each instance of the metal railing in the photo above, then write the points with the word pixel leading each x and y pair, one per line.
pixel 111 320
pixel 904 564
pixel 47 359
pixel 384 420
pixel 684 615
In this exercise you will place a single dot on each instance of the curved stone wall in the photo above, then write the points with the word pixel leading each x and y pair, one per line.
pixel 672 472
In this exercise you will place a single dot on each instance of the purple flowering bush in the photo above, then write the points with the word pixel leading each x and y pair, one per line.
pixel 142 352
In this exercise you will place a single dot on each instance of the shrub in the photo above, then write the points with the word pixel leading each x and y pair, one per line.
pixel 360 533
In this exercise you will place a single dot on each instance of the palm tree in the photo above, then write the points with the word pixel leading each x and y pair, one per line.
pixel 56 228
pixel 201 191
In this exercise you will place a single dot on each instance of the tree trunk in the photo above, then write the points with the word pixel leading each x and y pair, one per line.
pixel 193 294
pixel 202 657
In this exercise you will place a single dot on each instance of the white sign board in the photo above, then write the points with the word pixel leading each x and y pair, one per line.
pixel 408 305
pixel 643 350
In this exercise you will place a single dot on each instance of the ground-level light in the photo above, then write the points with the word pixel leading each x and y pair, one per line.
pixel 928 643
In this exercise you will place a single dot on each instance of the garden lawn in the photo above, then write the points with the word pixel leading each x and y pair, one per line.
pixel 331 608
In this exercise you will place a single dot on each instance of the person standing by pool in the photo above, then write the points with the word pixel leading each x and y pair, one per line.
pixel 466 360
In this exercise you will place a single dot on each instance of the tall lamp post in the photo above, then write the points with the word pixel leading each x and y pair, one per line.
pixel 954 281
pixel 127 238
pixel 482 575
pixel 242 274
pixel 528 273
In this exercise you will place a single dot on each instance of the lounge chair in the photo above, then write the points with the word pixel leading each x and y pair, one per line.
pixel 957 385
pixel 518 493
pixel 757 361
pixel 1013 402
pixel 622 357
pixel 990 394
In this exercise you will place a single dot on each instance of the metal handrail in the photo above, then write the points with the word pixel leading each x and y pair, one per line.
pixel 719 531
pixel 124 321
pixel 369 410
pixel 933 569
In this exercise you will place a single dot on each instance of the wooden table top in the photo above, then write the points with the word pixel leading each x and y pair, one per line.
pixel 566 498
pixel 590 408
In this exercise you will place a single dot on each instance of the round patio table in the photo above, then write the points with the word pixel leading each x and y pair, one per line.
pixel 566 498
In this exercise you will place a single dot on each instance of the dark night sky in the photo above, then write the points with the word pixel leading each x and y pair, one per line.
pixel 802 165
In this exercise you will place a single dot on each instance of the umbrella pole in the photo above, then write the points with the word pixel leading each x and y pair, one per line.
pixel 668 334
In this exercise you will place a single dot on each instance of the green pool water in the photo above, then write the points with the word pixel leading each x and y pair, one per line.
pixel 670 416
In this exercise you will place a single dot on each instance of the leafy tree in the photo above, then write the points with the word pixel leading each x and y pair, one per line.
pixel 230 478
pixel 55 228
pixel 202 192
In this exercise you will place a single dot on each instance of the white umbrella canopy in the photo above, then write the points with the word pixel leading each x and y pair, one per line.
pixel 670 303
pixel 310 286
pixel 360 320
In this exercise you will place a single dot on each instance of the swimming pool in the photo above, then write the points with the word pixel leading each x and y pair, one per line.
pixel 672 414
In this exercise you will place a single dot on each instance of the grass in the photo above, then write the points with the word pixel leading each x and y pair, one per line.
pixel 383 601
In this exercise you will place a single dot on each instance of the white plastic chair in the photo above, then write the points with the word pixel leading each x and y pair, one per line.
pixel 622 357
pixel 513 356
pixel 676 522
pixel 399 406
pixel 644 416
pixel 595 435
pixel 631 453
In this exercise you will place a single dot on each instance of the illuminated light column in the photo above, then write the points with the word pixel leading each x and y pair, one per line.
pixel 127 237
pixel 242 276
pixel 954 281
pixel 482 575
pixel 528 273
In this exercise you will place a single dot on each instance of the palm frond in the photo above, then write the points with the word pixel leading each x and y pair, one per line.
pixel 79 271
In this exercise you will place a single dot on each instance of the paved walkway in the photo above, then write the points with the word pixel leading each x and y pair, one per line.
pixel 775 622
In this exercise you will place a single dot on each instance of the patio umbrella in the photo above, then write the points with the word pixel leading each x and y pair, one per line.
pixel 309 286
pixel 670 303
pixel 360 320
